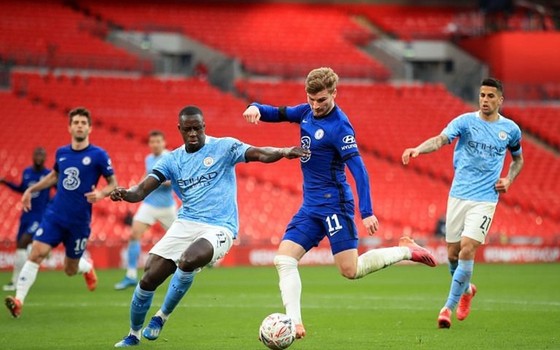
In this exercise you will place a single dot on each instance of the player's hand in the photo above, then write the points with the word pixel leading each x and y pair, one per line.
pixel 295 152
pixel 372 224
pixel 26 201
pixel 502 185
pixel 118 194
pixel 409 153
pixel 94 195
pixel 252 115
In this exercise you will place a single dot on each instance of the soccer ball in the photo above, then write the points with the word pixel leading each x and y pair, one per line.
pixel 277 331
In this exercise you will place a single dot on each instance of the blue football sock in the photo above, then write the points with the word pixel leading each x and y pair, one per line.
pixel 452 267
pixel 133 253
pixel 459 282
pixel 178 287
pixel 139 306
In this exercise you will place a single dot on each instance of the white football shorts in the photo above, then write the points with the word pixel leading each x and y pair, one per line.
pixel 148 214
pixel 468 218
pixel 183 233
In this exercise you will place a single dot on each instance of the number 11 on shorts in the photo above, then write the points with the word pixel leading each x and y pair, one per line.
pixel 333 219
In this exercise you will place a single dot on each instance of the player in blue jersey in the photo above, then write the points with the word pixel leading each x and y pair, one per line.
pixel 485 136
pixel 328 204
pixel 29 221
pixel 77 169
pixel 158 206
pixel 207 223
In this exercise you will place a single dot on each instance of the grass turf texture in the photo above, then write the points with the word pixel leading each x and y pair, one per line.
pixel 517 307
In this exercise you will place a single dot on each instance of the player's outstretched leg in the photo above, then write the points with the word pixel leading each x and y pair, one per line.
pixel 133 253
pixel 178 286
pixel 418 254
pixel 20 258
pixel 290 288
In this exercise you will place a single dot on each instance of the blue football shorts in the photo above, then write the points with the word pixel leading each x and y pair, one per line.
pixel 311 224
pixel 27 227
pixel 74 237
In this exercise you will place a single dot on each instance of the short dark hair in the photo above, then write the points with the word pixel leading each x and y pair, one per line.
pixel 493 82
pixel 40 149
pixel 81 111
pixel 156 133
pixel 190 110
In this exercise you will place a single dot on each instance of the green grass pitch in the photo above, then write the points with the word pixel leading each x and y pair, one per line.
pixel 517 307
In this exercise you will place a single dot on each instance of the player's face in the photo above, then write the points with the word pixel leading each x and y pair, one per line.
pixel 79 128
pixel 489 100
pixel 156 144
pixel 191 128
pixel 321 103
pixel 39 157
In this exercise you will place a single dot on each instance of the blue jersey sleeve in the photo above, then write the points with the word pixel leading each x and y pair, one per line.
pixel 17 188
pixel 106 168
pixel 514 145
pixel 281 114
pixel 454 128
pixel 345 143
pixel 360 174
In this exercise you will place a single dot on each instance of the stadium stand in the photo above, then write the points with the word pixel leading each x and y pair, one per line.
pixel 542 121
pixel 34 33
pixel 262 49
pixel 387 116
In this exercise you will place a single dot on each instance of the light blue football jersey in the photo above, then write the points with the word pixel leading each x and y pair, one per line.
pixel 479 154
pixel 162 197
pixel 206 180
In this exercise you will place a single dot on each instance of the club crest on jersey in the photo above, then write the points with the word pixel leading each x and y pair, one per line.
pixel 305 144
pixel 208 161
pixel 86 160
pixel 319 134
pixel 502 135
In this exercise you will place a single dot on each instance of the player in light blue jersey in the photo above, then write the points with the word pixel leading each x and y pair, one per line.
pixel 328 204
pixel 204 172
pixel 29 221
pixel 77 169
pixel 158 206
pixel 485 136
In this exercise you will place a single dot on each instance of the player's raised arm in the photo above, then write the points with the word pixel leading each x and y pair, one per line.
pixel 430 145
pixel 273 154
pixel 136 193
pixel 266 113
pixel 47 182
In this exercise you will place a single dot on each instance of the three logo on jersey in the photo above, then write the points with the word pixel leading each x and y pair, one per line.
pixel 348 140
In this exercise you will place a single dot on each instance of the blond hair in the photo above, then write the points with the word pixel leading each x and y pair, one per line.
pixel 320 79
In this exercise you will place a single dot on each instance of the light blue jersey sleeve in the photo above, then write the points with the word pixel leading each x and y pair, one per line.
pixel 162 197
pixel 455 128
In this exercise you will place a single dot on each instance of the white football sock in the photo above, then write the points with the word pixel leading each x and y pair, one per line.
pixel 26 279
pixel 290 285
pixel 163 316
pixel 84 266
pixel 377 259
pixel 132 273
pixel 135 333
pixel 20 258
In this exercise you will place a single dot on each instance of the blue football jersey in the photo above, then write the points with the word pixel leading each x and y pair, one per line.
pixel 206 181
pixel 40 199
pixel 332 142
pixel 162 197
pixel 479 154
pixel 78 174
